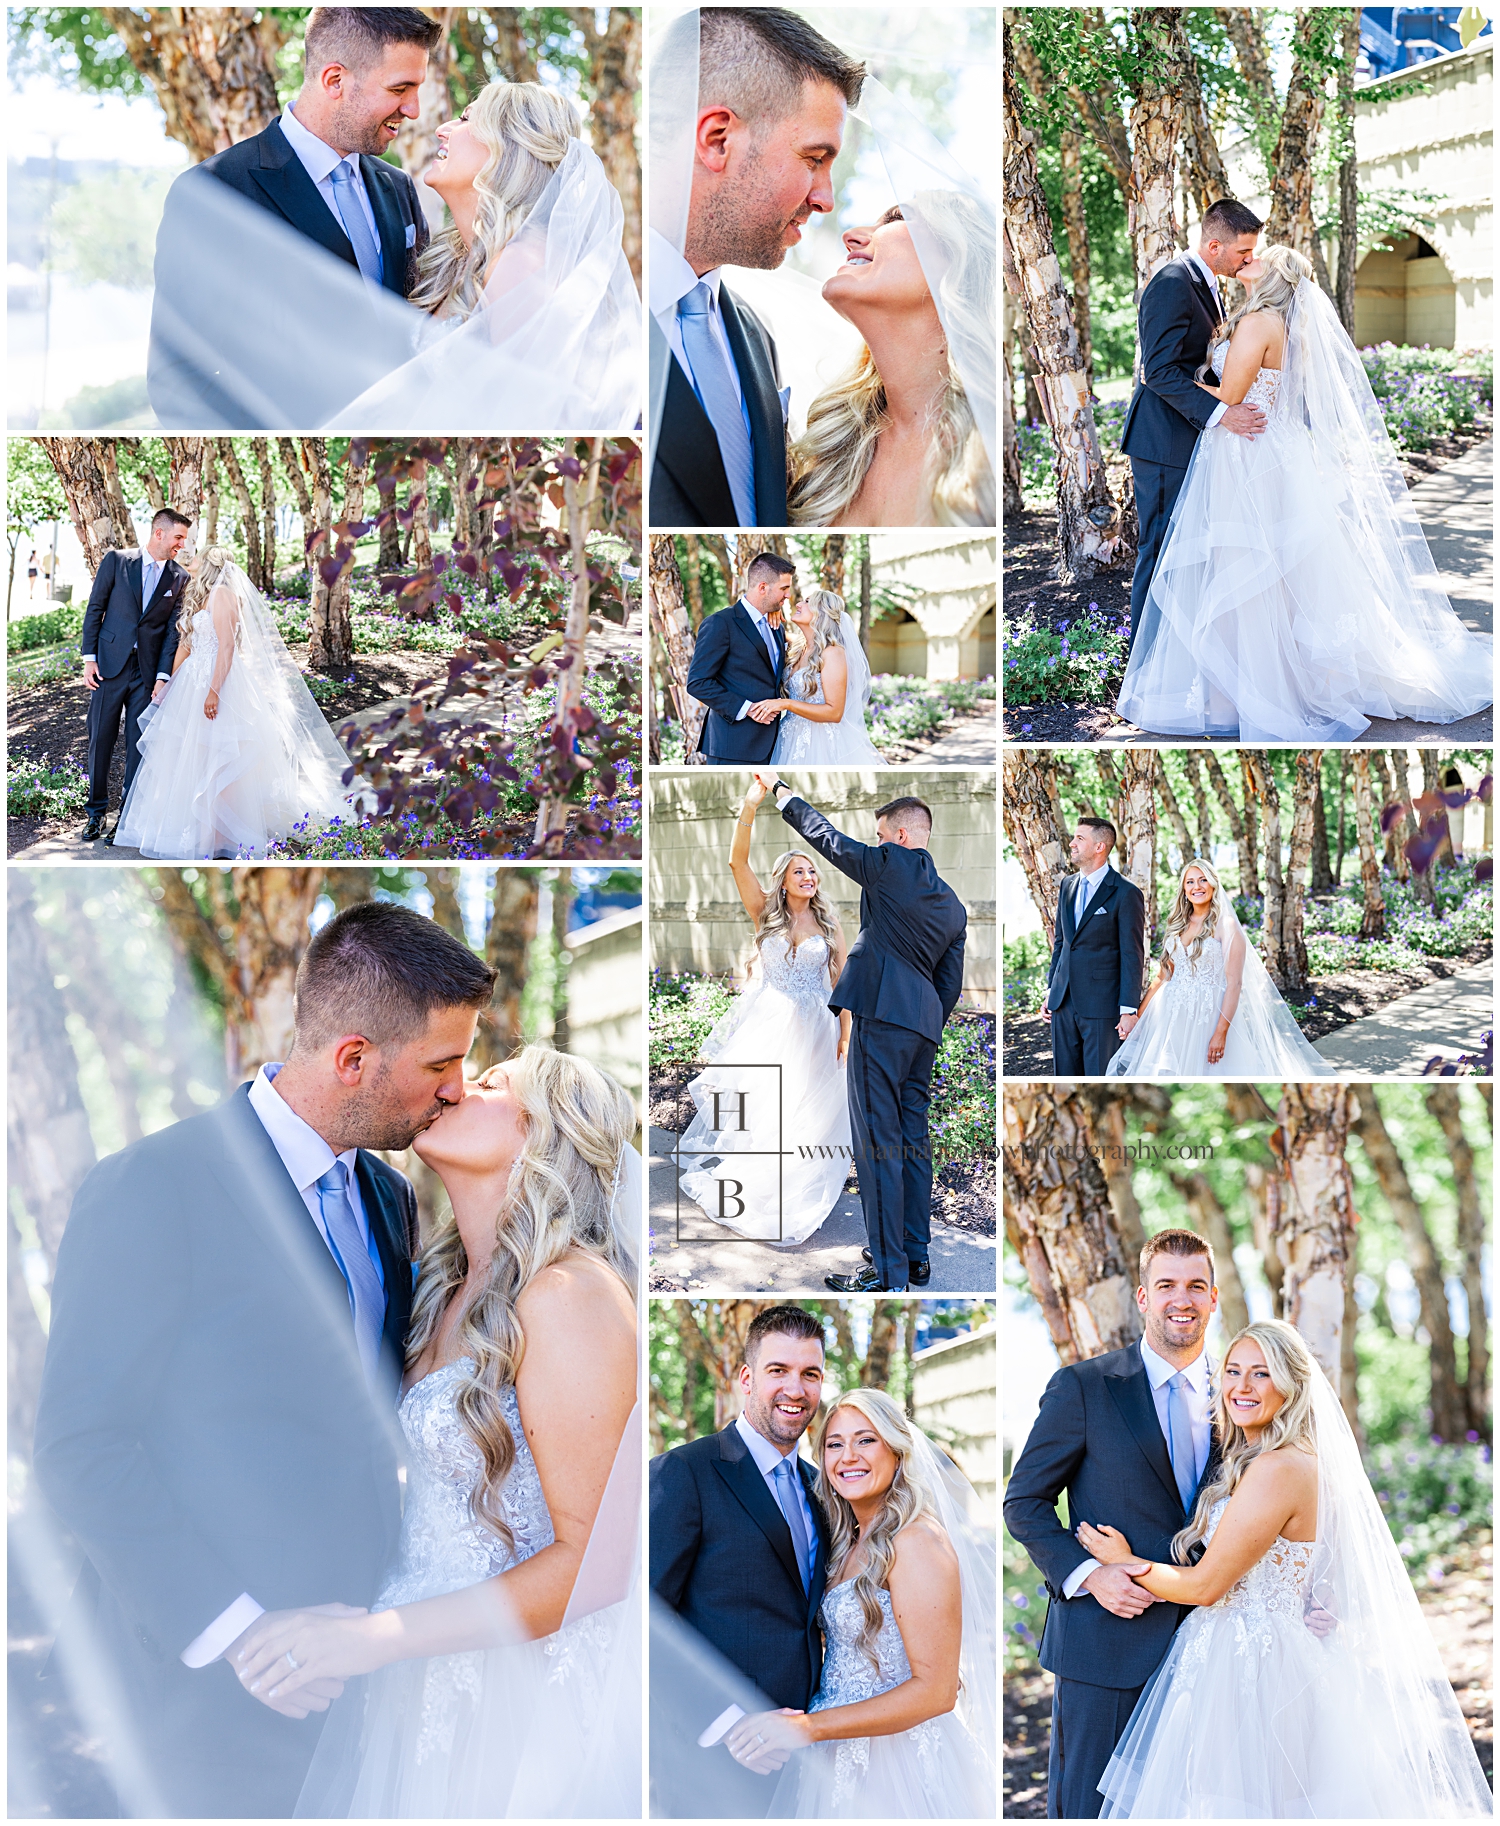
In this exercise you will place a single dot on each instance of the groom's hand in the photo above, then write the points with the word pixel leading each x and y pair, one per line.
pixel 1127 1022
pixel 1243 420
pixel 766 711
pixel 1117 1591
pixel 767 776
pixel 316 1696
pixel 159 691
pixel 91 674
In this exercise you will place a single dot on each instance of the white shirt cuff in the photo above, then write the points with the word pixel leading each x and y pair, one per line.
pixel 744 711
pixel 226 1628
pixel 784 795
pixel 166 675
pixel 1217 413
pixel 1125 1010
pixel 1073 1584
pixel 86 657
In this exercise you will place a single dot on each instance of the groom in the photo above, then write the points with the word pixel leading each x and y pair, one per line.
pixel 217 1418
pixel 1129 1437
pixel 772 99
pixel 739 1541
pixel 738 657
pixel 901 981
pixel 1098 958
pixel 319 170
pixel 128 644
pixel 1178 313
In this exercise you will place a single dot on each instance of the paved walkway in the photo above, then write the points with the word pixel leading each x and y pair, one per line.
pixel 1456 507
pixel 970 743
pixel 714 1261
pixel 1444 1019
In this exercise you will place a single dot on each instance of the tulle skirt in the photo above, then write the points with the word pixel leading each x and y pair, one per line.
pixel 1277 615
pixel 809 744
pixel 1252 1717
pixel 229 786
pixel 792 1156
pixel 1171 1041
pixel 933 1772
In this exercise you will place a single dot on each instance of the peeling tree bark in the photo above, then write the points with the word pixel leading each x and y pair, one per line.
pixel 1260 784
pixel 578 497
pixel 1155 126
pixel 1138 771
pixel 1372 922
pixel 1298 868
pixel 1443 1102
pixel 615 82
pixel 213 69
pixel 1290 220
pixel 1244 835
pixel 1348 176
pixel 249 520
pixel 323 650
pixel 1174 814
pixel 1030 813
pixel 1061 1225
pixel 1314 1222
pixel 80 469
pixel 1107 1108
pixel 669 617
pixel 1204 165
pixel 267 510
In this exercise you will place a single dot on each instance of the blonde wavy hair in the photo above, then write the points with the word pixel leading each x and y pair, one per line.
pixel 575 1123
pixel 824 633
pixel 210 569
pixel 1184 913
pixel 527 129
pixel 906 1500
pixel 829 462
pixel 1274 291
pixel 1292 1375
pixel 776 915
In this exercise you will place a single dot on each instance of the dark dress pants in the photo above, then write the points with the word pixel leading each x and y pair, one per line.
pixel 890 1087
pixel 1157 487
pixel 1087 1723
pixel 1082 1044
pixel 126 694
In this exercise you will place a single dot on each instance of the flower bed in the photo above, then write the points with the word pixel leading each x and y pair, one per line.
pixel 1076 663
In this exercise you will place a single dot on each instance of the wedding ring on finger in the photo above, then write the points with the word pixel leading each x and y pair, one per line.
pixel 291 1662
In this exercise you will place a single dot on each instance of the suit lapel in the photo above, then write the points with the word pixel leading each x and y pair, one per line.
pixel 135 571
pixel 284 182
pixel 747 622
pixel 688 447
pixel 383 1215
pixel 382 194
pixel 1131 1392
pixel 740 1471
pixel 1108 888
pixel 766 424
pixel 1205 290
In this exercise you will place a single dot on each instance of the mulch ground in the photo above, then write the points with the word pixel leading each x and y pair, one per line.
pixel 1026 1044
pixel 1030 560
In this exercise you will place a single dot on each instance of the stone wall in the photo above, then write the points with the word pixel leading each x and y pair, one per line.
pixel 957 1404
pixel 697 921
pixel 604 995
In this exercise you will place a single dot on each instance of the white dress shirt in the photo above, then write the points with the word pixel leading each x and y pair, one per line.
pixel 1094 881
pixel 768 1460
pixel 318 160
pixel 1213 285
pixel 306 1157
pixel 670 279
pixel 1159 1372
pixel 763 628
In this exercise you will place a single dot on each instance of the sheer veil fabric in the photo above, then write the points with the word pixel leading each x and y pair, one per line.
pixel 831 744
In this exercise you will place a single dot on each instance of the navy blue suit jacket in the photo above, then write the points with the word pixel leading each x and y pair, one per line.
pixel 731 664
pixel 1102 964
pixel 116 621
pixel 1175 319
pixel 907 964
pixel 1097 1437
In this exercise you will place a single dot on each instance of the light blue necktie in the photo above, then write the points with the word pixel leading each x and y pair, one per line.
pixel 770 639
pixel 1180 1440
pixel 786 1495
pixel 366 249
pixel 150 577
pixel 1085 889
pixel 366 1296
pixel 716 394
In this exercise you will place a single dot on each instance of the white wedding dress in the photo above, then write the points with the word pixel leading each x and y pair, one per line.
pixel 232 785
pixel 792 1154
pixel 527 1731
pixel 804 743
pixel 1295 597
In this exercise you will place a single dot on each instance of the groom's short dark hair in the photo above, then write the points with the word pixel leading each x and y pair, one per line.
pixel 784 1322
pixel 1227 219
pixel 904 811
pixel 769 564
pixel 1104 827
pixel 382 971
pixel 356 36
pixel 1176 1242
pixel 168 516
pixel 756 59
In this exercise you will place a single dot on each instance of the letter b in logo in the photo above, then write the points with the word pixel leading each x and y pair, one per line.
pixel 729 1191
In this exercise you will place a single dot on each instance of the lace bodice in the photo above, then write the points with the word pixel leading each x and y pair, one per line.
pixel 800 974
pixel 442 1547
pixel 848 1673
pixel 204 647
pixel 1263 389
pixel 1198 986
pixel 1274 1585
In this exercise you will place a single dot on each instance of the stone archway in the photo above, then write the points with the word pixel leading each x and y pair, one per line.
pixel 1404 293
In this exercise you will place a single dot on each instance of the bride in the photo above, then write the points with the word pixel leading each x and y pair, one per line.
pixel 1212 1010
pixel 504 1648
pixel 1252 1715
pixel 1295 597
pixel 823 721
pixel 773 1147
pixel 895 441
pixel 902 1725
pixel 237 752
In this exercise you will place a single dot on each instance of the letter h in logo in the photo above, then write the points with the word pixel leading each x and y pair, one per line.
pixel 737 1105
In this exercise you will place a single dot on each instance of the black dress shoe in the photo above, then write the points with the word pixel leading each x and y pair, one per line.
pixel 866 1281
pixel 919 1273
pixel 94 828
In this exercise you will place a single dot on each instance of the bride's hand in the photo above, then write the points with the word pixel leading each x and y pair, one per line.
pixel 284 1650
pixel 211 705
pixel 1217 1042
pixel 1107 1545
pixel 755 791
pixel 764 1740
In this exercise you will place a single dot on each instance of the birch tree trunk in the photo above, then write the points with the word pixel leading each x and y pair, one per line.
pixel 1260 784
pixel 578 499
pixel 692 576
pixel 1208 1217
pixel 212 68
pixel 615 82
pixel 110 464
pixel 1204 165
pixel 1088 520
pixel 1449 1415
pixel 669 618
pixel 267 511
pixel 1014 501
pixel 1348 175
pixel 1029 811
pixel 340 626
pixel 1290 220
pixel 249 521
pixel 831 570
pixel 324 653
pixel 1061 1225
pixel 1174 813
pixel 421 517
pixel 1314 1222
pixel 1244 836
pixel 1422 877
pixel 1320 879
pixel 1138 770
pixel 1107 1111
pixel 1192 762
pixel 1444 1104
pixel 513 915
pixel 1372 921
pixel 188 461
pixel 1076 223
pixel 1155 126
pixel 95 520
pixel 1432 786
pixel 1298 868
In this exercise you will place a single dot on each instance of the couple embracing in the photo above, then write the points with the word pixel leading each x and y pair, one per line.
pixel 748 111
pixel 1231 1629
pixel 298 283
pixel 250 1340
pixel 848 1601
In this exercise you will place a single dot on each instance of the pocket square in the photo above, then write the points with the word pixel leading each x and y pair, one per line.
pixel 1098 912
pixel 411 234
